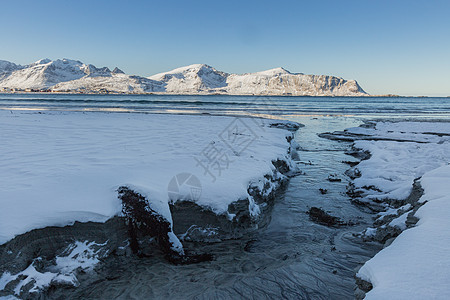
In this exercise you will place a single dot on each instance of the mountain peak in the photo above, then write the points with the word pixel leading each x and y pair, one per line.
pixel 189 68
pixel 197 66
pixel 273 72
pixel 117 71
pixel 41 62
pixel 192 78
pixel 57 63
pixel 6 66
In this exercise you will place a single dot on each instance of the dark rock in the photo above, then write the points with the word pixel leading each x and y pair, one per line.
pixel 248 246
pixel 323 191
pixel 319 216
pixel 142 220
pixel 17 254
pixel 334 178
pixel 411 220
pixel 350 163
pixel 363 285
pixel 281 166
pixel 40 247
pixel 291 126
pixel 188 217
pixel 353 173
pixel 358 153
pixel 386 233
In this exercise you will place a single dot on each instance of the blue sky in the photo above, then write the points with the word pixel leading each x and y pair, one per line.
pixel 400 47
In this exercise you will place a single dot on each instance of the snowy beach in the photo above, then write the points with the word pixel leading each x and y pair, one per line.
pixel 236 187
pixel 60 168
pixel 218 150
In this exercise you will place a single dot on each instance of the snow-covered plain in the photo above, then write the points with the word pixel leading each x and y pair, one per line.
pixel 416 265
pixel 60 167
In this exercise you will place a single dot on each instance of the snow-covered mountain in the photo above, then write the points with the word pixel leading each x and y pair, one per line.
pixel 44 74
pixel 65 75
pixel 202 78
pixel 282 82
pixel 196 78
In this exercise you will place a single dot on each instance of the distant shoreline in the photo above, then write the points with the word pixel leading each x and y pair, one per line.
pixel 214 94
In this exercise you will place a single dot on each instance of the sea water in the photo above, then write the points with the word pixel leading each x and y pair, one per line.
pixel 282 106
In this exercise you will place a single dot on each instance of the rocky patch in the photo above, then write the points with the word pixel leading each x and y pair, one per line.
pixel 319 216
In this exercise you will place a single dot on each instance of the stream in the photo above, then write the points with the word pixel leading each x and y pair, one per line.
pixel 291 257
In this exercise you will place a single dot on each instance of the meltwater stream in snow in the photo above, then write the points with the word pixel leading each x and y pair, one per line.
pixel 291 257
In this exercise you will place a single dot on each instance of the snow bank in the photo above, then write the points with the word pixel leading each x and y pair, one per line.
pixel 62 167
pixel 417 264
pixel 427 132
pixel 393 166
pixel 395 163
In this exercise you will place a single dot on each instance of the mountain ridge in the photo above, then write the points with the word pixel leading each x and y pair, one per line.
pixel 73 76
